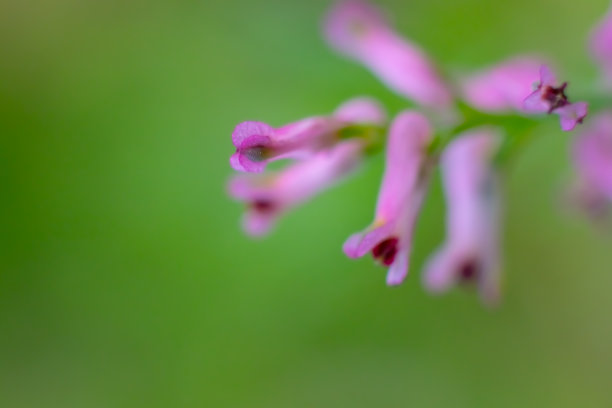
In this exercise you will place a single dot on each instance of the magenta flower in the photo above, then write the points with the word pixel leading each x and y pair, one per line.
pixel 601 45
pixel 258 143
pixel 592 154
pixel 269 196
pixel 548 97
pixel 502 87
pixel 358 30
pixel 471 249
pixel 407 172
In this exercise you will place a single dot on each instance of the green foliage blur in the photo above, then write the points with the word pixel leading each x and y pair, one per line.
pixel 126 281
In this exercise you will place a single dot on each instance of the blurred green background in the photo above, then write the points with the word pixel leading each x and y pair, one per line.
pixel 125 278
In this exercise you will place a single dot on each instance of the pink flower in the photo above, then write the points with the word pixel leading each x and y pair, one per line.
pixel 503 87
pixel 471 249
pixel 592 155
pixel 358 30
pixel 601 45
pixel 269 196
pixel 407 172
pixel 550 98
pixel 258 143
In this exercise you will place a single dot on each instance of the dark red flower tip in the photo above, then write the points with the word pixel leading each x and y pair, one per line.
pixel 385 251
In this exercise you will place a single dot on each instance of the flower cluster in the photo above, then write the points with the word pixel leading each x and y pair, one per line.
pixel 592 147
pixel 458 127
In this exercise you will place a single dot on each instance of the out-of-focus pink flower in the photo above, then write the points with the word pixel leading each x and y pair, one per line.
pixel 358 30
pixel 601 45
pixel 269 196
pixel 471 250
pixel 407 172
pixel 502 87
pixel 550 98
pixel 258 143
pixel 592 155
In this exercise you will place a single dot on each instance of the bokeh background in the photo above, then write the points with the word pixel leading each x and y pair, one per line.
pixel 125 278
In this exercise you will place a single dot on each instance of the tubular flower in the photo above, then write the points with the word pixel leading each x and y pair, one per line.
pixel 269 196
pixel 358 30
pixel 258 143
pixel 601 45
pixel 471 252
pixel 502 87
pixel 407 173
pixel 550 98
pixel 592 156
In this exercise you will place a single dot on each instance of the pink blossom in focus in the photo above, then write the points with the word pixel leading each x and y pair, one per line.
pixel 407 172
pixel 269 196
pixel 358 30
pixel 601 45
pixel 502 87
pixel 549 97
pixel 471 252
pixel 258 143
pixel 592 156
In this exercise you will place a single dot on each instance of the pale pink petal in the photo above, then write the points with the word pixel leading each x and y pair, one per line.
pixel 572 114
pixel 257 225
pixel 440 272
pixel 241 187
pixel 535 104
pixel 405 69
pixel 409 137
pixel 470 252
pixel 305 179
pixel 349 23
pixel 601 45
pixel 269 196
pixel 399 268
pixel 253 153
pixel 592 155
pixel 361 110
pixel 247 129
pixel 235 162
pixel 361 243
pixel 547 77
pixel 357 29
pixel 504 86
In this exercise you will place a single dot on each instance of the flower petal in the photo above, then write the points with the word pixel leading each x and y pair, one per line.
pixel 572 114
pixel 601 45
pixel 357 29
pixel 361 110
pixel 399 268
pixel 257 224
pixel 470 252
pixel 535 104
pixel 547 77
pixel 363 242
pixel 504 86
pixel 247 129
pixel 348 24
pixel 409 137
pixel 269 196
pixel 592 155
pixel 235 162
pixel 440 271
